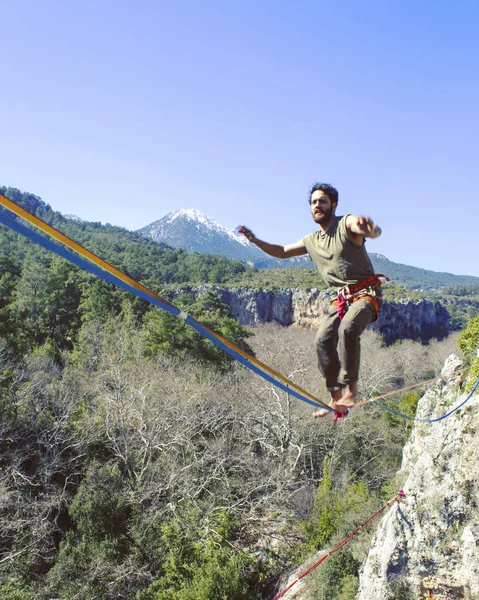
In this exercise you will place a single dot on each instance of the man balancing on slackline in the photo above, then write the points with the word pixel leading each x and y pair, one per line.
pixel 339 253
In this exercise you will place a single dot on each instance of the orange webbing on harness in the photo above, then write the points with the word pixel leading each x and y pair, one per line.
pixel 372 281
pixel 358 291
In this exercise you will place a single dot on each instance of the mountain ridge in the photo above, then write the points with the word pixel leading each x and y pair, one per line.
pixel 193 231
pixel 213 239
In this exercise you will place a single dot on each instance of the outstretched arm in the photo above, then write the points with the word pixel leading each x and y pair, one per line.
pixel 273 249
pixel 362 226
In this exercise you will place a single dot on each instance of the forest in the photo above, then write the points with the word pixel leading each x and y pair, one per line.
pixel 137 461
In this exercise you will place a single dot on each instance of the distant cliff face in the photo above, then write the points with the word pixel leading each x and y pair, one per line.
pixel 415 320
pixel 429 546
pixel 405 319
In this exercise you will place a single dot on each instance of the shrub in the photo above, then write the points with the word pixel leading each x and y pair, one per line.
pixel 468 342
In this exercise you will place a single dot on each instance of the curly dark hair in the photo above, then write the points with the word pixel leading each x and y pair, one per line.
pixel 328 189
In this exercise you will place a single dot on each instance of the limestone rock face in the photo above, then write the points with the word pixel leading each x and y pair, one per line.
pixel 250 307
pixel 415 320
pixel 309 307
pixel 254 307
pixel 428 546
pixel 404 319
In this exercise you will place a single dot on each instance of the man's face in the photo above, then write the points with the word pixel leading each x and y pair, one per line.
pixel 322 209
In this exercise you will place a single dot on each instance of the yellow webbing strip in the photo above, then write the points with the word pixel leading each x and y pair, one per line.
pixel 51 231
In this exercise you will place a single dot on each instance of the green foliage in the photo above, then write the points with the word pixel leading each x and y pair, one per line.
pixel 462 290
pixel 407 404
pixel 166 333
pixel 100 507
pixel 462 303
pixel 78 526
pixel 331 507
pixel 391 487
pixel 199 561
pixel 468 342
pixel 100 301
pixel 392 291
pixel 101 512
pixel 420 279
pixel 131 252
pixel 45 298
pixel 273 280
pixel 15 589
pixel 9 273
pixel 83 568
pixel 40 302
pixel 337 578
pixel 400 590
pixel 459 315
pixel 321 526
pixel 118 336
pixel 348 588
pixel 99 532
pixel 412 278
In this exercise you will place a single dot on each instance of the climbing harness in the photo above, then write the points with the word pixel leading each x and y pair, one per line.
pixel 396 498
pixel 363 290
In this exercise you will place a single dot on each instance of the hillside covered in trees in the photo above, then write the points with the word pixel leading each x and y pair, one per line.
pixel 45 299
pixel 126 250
pixel 140 465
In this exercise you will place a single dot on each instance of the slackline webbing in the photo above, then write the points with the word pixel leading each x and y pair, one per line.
pixel 409 387
pixel 95 265
pixel 453 410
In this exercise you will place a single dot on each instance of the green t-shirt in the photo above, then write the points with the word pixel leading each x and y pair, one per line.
pixel 339 260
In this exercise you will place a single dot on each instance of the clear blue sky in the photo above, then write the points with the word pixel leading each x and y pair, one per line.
pixel 121 112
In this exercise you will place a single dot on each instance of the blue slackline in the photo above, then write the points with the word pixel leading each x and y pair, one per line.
pixel 401 414
pixel 102 274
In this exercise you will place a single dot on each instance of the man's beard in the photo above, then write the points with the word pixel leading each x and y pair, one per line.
pixel 325 217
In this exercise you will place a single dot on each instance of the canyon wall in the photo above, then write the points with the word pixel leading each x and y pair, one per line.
pixel 402 319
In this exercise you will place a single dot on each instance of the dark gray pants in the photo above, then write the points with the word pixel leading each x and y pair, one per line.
pixel 338 344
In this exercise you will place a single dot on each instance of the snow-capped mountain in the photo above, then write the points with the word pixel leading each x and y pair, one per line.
pixel 74 218
pixel 194 231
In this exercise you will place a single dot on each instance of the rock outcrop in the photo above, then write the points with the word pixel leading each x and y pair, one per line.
pixel 428 547
pixel 415 320
pixel 404 319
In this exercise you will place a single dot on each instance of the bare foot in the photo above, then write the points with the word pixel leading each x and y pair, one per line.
pixel 323 412
pixel 348 398
pixel 335 396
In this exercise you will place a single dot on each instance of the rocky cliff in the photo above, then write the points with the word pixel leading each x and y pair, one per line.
pixel 428 547
pixel 404 319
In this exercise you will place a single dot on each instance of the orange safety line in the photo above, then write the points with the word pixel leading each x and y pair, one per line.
pixel 394 392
